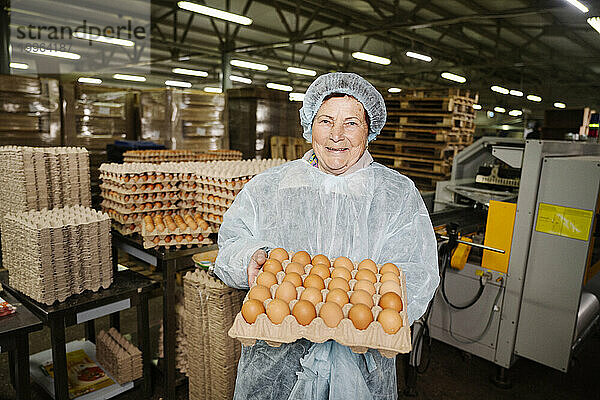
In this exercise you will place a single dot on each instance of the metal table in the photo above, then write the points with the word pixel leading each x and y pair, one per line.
pixel 128 289
pixel 166 261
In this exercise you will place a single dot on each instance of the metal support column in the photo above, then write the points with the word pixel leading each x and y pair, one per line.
pixel 4 37
pixel 226 67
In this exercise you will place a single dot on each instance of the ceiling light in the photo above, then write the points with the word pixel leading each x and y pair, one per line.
pixel 515 113
pixel 394 90
pixel 579 6
pixel 103 39
pixel 500 89
pixel 533 97
pixel 182 84
pixel 517 93
pixel 505 127
pixel 295 96
pixel 213 90
pixel 477 106
pixel 278 86
pixel 500 109
pixel 418 56
pixel 301 71
pixel 135 78
pixel 248 64
pixel 594 23
pixel 193 72
pixel 18 65
pixel 560 105
pixel 453 77
pixel 107 104
pixel 241 79
pixel 213 12
pixel 371 58
pixel 93 81
pixel 53 53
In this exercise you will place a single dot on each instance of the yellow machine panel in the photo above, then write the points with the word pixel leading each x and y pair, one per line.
pixel 498 234
pixel 461 254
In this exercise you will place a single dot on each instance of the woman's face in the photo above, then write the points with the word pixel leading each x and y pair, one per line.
pixel 339 134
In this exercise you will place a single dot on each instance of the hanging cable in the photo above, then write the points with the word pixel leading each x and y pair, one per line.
pixel 445 263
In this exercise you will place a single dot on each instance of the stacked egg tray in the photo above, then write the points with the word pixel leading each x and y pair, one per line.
pixel 118 356
pixel 160 156
pixel 345 333
pixel 177 230
pixel 51 255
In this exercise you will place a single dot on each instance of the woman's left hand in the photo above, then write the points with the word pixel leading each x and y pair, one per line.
pixel 256 262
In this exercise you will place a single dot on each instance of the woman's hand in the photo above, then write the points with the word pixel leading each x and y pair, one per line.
pixel 256 262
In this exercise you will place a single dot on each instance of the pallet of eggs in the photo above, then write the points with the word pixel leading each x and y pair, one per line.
pixel 175 230
pixel 358 305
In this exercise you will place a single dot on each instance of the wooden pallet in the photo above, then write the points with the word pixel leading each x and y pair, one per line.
pixel 436 121
pixel 434 104
pixel 437 92
pixel 457 136
pixel 424 181
pixel 289 148
pixel 442 167
pixel 439 151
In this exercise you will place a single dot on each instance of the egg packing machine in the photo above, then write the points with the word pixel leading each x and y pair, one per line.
pixel 534 291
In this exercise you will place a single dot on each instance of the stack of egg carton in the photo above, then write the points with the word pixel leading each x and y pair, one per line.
pixel 53 254
pixel 118 356
pixel 33 178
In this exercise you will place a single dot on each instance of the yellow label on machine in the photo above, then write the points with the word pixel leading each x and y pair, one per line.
pixel 568 222
pixel 498 234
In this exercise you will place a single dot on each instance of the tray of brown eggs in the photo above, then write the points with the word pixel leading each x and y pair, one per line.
pixel 295 296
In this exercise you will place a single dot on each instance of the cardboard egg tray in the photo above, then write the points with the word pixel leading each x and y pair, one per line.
pixel 184 195
pixel 220 192
pixel 133 208
pixel 212 209
pixel 51 255
pixel 124 218
pixel 209 217
pixel 189 187
pixel 126 229
pixel 139 198
pixel 159 238
pixel 228 183
pixel 186 204
pixel 345 333
pixel 169 241
pixel 121 359
pixel 216 200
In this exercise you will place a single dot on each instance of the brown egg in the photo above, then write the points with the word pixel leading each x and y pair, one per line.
pixel 312 294
pixel 389 267
pixel 294 267
pixel 390 320
pixel 389 286
pixel 365 274
pixel 266 279
pixel 277 310
pixel 343 262
pixel 251 309
pixel 341 272
pixel 314 281
pixel 321 270
pixel 293 277
pixel 321 259
pixel 338 296
pixel 286 291
pixel 368 264
pixel 279 254
pixel 301 257
pixel 304 311
pixel 331 314
pixel 365 285
pixel 339 283
pixel 391 300
pixel 273 266
pixel 361 297
pixel 361 316
pixel 260 293
pixel 389 276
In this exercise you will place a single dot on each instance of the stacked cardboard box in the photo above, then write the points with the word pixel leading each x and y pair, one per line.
pixel 118 356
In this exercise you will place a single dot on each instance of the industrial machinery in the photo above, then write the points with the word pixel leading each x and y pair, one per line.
pixel 534 291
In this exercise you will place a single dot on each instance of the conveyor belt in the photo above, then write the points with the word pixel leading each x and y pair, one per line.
pixel 469 220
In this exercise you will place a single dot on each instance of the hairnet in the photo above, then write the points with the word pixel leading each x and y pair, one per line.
pixel 347 83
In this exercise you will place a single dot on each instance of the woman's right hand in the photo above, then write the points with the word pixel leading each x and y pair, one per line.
pixel 256 262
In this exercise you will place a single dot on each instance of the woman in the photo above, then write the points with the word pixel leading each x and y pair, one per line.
pixel 338 202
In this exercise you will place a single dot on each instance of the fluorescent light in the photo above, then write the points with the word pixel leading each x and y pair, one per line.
pixel 579 6
pixel 213 12
pixel 517 93
pixel 418 56
pixel 394 90
pixel 192 72
pixel 371 58
pixel 505 127
pixel 135 78
pixel 213 90
pixel 477 106
pixel 182 84
pixel 500 109
pixel 93 81
pixel 560 105
pixel 278 86
pixel 107 104
pixel 18 65
pixel 241 79
pixel 500 89
pixel 248 64
pixel 594 23
pixel 515 113
pixel 533 97
pixel 296 96
pixel 53 53
pixel 453 77
pixel 103 39
pixel 301 71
